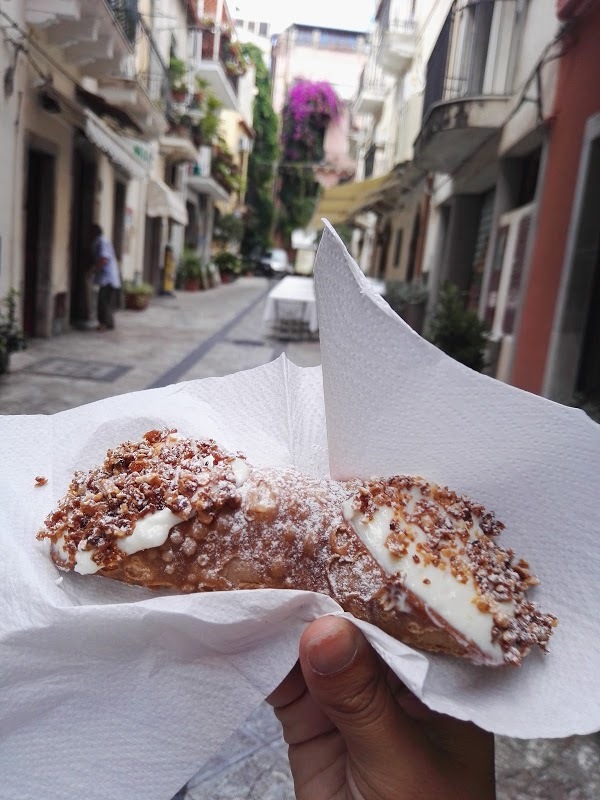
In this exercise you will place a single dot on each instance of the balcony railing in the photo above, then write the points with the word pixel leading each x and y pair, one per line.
pixel 371 80
pixel 216 47
pixel 127 14
pixel 146 64
pixel 475 52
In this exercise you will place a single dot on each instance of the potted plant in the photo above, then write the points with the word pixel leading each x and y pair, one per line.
pixel 408 301
pixel 191 271
pixel 457 331
pixel 177 73
pixel 229 265
pixel 200 90
pixel 137 295
pixel 11 335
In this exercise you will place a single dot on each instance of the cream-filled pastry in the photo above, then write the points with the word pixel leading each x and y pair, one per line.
pixel 411 557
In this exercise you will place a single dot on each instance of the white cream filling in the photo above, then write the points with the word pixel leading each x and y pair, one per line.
pixel 453 601
pixel 241 470
pixel 150 531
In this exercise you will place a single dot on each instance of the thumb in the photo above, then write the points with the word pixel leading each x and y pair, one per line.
pixel 348 681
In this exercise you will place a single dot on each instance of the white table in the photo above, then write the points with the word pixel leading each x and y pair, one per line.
pixel 291 309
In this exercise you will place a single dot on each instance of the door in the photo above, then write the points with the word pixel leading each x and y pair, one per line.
pixel 507 272
pixel 504 291
pixel 82 216
pixel 152 254
pixel 118 233
pixel 39 238
pixel 588 381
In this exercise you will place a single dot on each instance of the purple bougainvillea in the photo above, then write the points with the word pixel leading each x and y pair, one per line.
pixel 310 107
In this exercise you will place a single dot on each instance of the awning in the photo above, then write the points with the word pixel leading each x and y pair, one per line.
pixel 178 149
pixel 113 145
pixel 342 203
pixel 163 202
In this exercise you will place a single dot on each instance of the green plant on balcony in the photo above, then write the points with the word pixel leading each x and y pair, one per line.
pixel 234 59
pixel 11 335
pixel 206 24
pixel 206 129
pixel 177 79
pixel 224 168
pixel 200 93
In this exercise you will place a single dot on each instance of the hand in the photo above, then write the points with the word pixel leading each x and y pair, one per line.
pixel 356 733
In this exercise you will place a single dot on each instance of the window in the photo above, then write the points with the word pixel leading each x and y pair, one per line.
pixel 251 26
pixel 263 29
pixel 337 40
pixel 304 37
pixel 530 168
pixel 239 23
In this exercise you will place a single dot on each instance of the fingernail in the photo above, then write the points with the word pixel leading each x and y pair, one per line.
pixel 333 649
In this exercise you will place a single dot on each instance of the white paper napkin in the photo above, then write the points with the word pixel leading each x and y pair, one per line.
pixel 113 692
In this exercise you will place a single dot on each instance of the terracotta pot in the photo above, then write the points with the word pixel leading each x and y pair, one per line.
pixel 191 284
pixel 136 302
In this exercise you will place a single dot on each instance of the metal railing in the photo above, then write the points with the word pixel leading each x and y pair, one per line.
pixel 371 79
pixel 145 64
pixel 475 52
pixel 220 53
pixel 396 17
pixel 126 13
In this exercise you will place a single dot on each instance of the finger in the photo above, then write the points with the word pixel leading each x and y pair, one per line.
pixel 347 680
pixel 302 719
pixel 290 688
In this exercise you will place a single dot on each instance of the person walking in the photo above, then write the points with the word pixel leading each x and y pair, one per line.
pixel 106 277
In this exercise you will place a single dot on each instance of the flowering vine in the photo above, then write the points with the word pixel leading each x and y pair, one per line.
pixel 310 107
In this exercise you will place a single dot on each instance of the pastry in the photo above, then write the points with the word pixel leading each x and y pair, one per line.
pixel 411 557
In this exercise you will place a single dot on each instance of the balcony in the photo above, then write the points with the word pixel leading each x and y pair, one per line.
pixel 219 64
pixel 109 44
pixel 469 82
pixel 371 90
pixel 397 35
pixel 199 177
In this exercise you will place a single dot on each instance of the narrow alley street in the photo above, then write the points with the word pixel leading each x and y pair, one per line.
pixel 192 335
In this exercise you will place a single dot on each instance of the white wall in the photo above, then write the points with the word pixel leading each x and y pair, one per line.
pixel 340 68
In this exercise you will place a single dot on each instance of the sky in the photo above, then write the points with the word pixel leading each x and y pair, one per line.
pixel 344 14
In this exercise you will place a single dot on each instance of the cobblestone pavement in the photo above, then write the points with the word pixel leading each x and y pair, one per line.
pixel 197 335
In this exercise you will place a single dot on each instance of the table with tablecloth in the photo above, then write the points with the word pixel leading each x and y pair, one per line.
pixel 291 308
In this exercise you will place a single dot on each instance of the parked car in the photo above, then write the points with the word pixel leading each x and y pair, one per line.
pixel 275 263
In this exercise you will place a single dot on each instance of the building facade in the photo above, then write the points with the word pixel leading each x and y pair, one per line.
pixel 92 132
pixel 477 166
